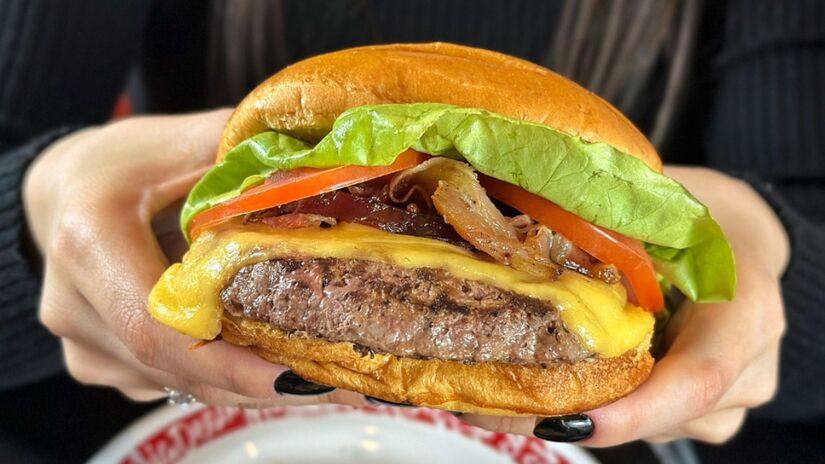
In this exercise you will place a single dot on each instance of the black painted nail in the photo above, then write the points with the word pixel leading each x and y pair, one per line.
pixel 570 428
pixel 375 400
pixel 292 384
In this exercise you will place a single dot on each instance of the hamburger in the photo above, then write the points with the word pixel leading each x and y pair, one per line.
pixel 442 226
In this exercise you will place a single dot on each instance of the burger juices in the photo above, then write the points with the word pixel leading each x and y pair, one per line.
pixel 442 226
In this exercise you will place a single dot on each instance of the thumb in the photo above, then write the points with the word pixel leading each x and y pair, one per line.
pixel 197 136
pixel 180 155
pixel 151 149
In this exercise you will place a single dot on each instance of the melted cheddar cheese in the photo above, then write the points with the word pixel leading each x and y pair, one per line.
pixel 187 296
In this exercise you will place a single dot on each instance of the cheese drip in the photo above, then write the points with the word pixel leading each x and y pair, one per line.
pixel 186 297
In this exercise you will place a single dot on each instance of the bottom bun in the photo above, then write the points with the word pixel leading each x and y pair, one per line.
pixel 485 388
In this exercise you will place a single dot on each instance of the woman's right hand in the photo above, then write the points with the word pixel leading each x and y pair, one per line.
pixel 90 200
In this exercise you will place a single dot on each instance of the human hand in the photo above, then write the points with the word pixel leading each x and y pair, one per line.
pixel 90 200
pixel 722 358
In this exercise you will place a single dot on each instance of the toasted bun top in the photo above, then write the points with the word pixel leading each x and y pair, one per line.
pixel 304 99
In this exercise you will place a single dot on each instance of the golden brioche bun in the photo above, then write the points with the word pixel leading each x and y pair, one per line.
pixel 485 388
pixel 304 99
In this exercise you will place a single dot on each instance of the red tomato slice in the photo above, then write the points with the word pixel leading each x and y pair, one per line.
pixel 607 246
pixel 284 187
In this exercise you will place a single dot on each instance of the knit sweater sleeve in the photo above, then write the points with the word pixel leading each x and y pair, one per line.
pixel 62 64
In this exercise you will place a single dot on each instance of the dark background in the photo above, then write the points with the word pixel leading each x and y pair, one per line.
pixel 57 420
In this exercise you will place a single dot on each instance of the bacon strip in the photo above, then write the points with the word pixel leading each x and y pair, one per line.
pixel 369 211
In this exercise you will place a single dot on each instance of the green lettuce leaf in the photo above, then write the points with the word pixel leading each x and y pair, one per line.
pixel 594 180
pixel 245 166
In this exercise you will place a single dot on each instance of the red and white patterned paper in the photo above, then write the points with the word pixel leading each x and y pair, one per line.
pixel 172 442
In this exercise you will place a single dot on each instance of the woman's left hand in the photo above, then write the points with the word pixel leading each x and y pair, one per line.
pixel 722 358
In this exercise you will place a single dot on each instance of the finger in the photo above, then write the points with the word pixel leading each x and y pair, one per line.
pixel 170 162
pixel 70 316
pixel 218 364
pixel 144 395
pixel 166 229
pixel 115 275
pixel 128 261
pixel 179 158
pixel 122 370
pixel 120 292
pixel 757 384
pixel 93 367
pixel 91 356
pixel 686 383
pixel 714 344
pixel 753 321
pixel 209 394
pixel 37 194
pixel 679 389
pixel 60 304
pixel 717 427
pixel 663 438
pixel 90 366
pixel 521 425
pixel 679 374
pixel 567 428
pixel 124 271
pixel 95 335
pixel 179 144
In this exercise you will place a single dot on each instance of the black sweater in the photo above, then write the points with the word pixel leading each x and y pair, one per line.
pixel 757 110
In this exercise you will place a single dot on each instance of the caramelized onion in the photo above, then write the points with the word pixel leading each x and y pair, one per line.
pixel 522 223
pixel 298 220
pixel 462 201
pixel 539 239
pixel 565 253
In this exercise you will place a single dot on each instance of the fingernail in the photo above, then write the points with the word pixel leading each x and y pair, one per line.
pixel 375 400
pixel 570 428
pixel 291 383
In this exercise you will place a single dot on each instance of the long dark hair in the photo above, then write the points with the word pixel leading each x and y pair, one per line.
pixel 616 49
pixel 613 48
pixel 247 42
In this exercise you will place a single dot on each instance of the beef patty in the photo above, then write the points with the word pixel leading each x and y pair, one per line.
pixel 418 313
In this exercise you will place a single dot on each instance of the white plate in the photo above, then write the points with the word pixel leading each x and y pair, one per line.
pixel 320 435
